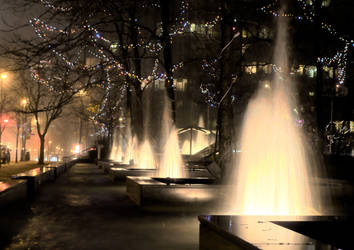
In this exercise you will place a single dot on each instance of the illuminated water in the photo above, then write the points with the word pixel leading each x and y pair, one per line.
pixel 145 158
pixel 116 152
pixel 272 174
pixel 200 140
pixel 171 164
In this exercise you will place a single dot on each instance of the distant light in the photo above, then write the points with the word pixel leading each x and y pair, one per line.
pixel 54 158
pixel 6 120
pixel 77 149
pixel 267 86
pixel 3 75
pixel 24 102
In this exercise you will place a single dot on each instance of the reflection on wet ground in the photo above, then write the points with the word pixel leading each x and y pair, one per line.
pixel 83 209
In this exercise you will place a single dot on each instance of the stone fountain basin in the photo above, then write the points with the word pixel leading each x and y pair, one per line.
pixel 120 173
pixel 189 193
pixel 107 165
pixel 195 180
pixel 274 232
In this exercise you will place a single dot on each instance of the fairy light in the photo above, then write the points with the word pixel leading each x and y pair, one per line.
pixel 116 77
pixel 340 60
pixel 308 12
pixel 56 8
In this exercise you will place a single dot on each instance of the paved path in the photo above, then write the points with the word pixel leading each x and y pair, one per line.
pixel 83 209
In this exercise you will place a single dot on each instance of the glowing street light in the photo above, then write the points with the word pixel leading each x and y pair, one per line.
pixel 24 102
pixel 77 149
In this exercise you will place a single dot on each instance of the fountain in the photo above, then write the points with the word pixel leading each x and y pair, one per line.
pixel 141 163
pixel 273 190
pixel 171 164
pixel 122 152
pixel 116 154
pixel 141 157
pixel 272 173
pixel 172 183
pixel 199 138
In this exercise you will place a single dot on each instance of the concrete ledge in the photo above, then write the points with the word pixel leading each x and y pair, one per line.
pixel 120 174
pixel 147 192
pixel 266 232
pixel 12 191
pixel 26 184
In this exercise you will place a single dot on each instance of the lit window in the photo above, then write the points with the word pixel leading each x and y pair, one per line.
pixel 326 3
pixel 268 68
pixel 244 33
pixel 311 71
pixel 114 47
pixel 251 69
pixel 264 33
pixel 244 48
pixel 330 73
pixel 300 70
pixel 159 84
pixel 180 84
pixel 184 83
pixel 254 69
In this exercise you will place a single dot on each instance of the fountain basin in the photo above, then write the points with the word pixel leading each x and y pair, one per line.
pixel 196 180
pixel 107 165
pixel 274 232
pixel 189 193
pixel 120 173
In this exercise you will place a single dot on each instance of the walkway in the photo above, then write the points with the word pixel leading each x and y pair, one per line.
pixel 83 209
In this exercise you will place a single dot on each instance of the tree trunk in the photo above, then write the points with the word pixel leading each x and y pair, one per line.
pixel 137 115
pixel 225 112
pixel 166 39
pixel 41 149
pixel 17 135
pixel 138 100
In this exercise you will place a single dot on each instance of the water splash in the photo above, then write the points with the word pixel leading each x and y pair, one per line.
pixel 272 173
pixel 200 140
pixel 145 159
pixel 132 153
pixel 171 164
pixel 117 151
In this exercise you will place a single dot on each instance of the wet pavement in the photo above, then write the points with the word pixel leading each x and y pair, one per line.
pixel 83 209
